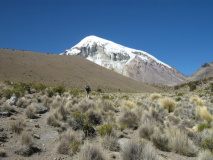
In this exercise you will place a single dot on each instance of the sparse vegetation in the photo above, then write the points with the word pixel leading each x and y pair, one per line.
pixel 17 126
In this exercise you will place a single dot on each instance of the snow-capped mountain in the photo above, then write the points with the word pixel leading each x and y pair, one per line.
pixel 132 63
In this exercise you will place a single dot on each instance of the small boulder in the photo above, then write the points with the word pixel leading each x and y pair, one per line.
pixel 13 100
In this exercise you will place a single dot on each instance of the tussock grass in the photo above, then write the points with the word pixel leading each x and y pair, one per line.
pixel 86 104
pixel 180 143
pixel 129 119
pixel 140 150
pixel 197 100
pixel 91 152
pixel 129 104
pixel 27 139
pixel 146 130
pixel 110 142
pixel 69 142
pixel 17 126
pixel 31 112
pixel 167 103
pixel 205 115
pixel 8 108
pixel 106 105
pixel 154 96
pixel 160 141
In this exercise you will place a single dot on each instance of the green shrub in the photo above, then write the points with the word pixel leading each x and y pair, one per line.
pixel 105 129
pixel 59 89
pixel 7 82
pixel 208 144
pixel 75 92
pixel 52 121
pixel 8 93
pixel 40 87
pixel 203 126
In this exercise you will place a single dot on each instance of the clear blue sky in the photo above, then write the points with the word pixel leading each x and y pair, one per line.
pixel 177 32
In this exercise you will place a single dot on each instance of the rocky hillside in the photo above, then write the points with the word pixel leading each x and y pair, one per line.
pixel 70 71
pixel 205 71
pixel 132 63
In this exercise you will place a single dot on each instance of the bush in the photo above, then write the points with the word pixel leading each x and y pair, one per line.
pixel 129 119
pixel 8 108
pixel 40 87
pixel 69 143
pixel 94 117
pixel 154 96
pixel 91 152
pixel 160 141
pixel 168 104
pixel 106 129
pixel 208 144
pixel 60 90
pixel 17 126
pixel 136 151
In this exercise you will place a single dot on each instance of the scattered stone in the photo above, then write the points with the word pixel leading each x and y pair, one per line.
pixel 33 120
pixel 3 137
pixel 13 100
pixel 37 126
pixel 5 114
pixel 36 136
pixel 40 108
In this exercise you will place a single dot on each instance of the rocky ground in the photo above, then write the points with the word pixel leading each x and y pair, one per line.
pixel 176 124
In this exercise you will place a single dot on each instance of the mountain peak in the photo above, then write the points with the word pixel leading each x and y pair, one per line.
pixel 120 59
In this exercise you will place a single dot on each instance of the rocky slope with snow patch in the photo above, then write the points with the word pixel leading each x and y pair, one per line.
pixel 132 63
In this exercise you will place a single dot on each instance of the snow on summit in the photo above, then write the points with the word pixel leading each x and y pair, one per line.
pixel 132 63
pixel 110 47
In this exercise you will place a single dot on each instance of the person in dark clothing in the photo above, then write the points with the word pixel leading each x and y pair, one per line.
pixel 88 89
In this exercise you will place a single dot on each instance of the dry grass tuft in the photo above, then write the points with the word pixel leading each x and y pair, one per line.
pixel 17 126
pixel 197 100
pixel 180 143
pixel 154 96
pixel 129 104
pixel 91 152
pixel 168 104
pixel 7 108
pixel 129 119
pixel 31 112
pixel 106 105
pixel 110 142
pixel 146 130
pixel 160 141
pixel 69 143
pixel 27 139
pixel 86 104
pixel 140 150
pixel 205 115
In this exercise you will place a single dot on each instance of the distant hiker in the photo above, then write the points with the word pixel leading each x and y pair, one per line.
pixel 88 89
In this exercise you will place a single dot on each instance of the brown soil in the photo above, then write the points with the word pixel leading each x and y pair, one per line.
pixel 70 71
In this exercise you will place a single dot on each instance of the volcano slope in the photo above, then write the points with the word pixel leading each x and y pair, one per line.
pixel 69 71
